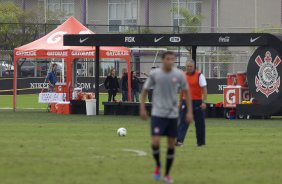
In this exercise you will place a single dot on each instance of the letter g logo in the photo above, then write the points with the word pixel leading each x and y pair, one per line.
pixel 230 96
pixel 56 37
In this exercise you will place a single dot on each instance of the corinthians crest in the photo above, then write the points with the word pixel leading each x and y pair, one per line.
pixel 267 81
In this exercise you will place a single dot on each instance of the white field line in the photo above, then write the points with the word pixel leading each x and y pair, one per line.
pixel 138 152
pixel 9 108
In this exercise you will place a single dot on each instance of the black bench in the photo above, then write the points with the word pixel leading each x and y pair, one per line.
pixel 78 107
pixel 131 108
pixel 123 108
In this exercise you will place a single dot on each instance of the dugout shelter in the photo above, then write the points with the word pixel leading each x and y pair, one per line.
pixel 264 67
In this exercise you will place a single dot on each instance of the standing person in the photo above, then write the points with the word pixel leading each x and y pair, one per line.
pixel 166 82
pixel 135 87
pixel 198 86
pixel 111 84
pixel 150 92
pixel 51 78
pixel 124 86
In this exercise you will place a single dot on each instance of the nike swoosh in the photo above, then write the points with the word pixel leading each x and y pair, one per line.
pixel 158 39
pixel 254 39
pixel 83 40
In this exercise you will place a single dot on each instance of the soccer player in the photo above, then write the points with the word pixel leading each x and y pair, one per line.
pixel 150 92
pixel 198 87
pixel 135 81
pixel 124 86
pixel 166 82
pixel 111 84
pixel 51 78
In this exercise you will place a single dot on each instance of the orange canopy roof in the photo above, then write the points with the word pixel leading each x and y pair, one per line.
pixel 51 45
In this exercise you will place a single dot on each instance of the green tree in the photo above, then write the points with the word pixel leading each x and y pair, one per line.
pixel 135 30
pixel 15 26
pixel 273 29
pixel 18 27
pixel 190 23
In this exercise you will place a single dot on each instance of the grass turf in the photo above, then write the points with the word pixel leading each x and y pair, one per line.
pixel 38 147
pixel 31 101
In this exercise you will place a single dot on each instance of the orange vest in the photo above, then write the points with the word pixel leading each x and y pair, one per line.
pixel 194 86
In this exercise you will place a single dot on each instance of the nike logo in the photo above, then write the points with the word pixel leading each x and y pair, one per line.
pixel 158 39
pixel 83 40
pixel 254 39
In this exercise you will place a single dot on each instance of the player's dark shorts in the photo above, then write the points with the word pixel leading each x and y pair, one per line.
pixel 164 126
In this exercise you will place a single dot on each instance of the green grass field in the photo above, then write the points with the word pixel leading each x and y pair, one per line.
pixel 38 147
pixel 31 101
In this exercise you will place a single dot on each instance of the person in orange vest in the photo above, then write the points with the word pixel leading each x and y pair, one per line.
pixel 198 88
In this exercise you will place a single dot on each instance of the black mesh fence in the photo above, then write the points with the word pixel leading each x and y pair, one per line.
pixel 22 21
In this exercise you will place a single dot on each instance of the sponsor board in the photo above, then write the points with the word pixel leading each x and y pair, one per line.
pixel 264 75
pixel 26 53
pixel 51 97
pixel 129 39
pixel 268 79
pixel 57 53
pixel 252 40
pixel 83 40
pixel 157 39
pixel 117 53
pixel 224 39
pixel 36 84
pixel 175 39
pixel 83 53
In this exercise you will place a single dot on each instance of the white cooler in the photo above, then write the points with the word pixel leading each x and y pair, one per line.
pixel 90 107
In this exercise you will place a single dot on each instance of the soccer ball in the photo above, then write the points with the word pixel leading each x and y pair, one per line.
pixel 121 132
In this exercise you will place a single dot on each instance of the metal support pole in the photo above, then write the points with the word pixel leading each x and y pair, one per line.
pixel 137 63
pixel 84 12
pixel 97 69
pixel 23 5
pixel 256 15
pixel 213 7
pixel 280 13
pixel 147 13
pixel 194 53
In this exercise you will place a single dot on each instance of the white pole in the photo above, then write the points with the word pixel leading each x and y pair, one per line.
pixel 209 66
pixel 155 58
pixel 63 71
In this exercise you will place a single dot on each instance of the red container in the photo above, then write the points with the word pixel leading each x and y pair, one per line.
pixel 242 79
pixel 53 108
pixel 61 88
pixel 63 108
pixel 231 79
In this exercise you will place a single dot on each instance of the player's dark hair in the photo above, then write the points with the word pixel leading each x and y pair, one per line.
pixel 167 53
pixel 54 64
pixel 111 71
